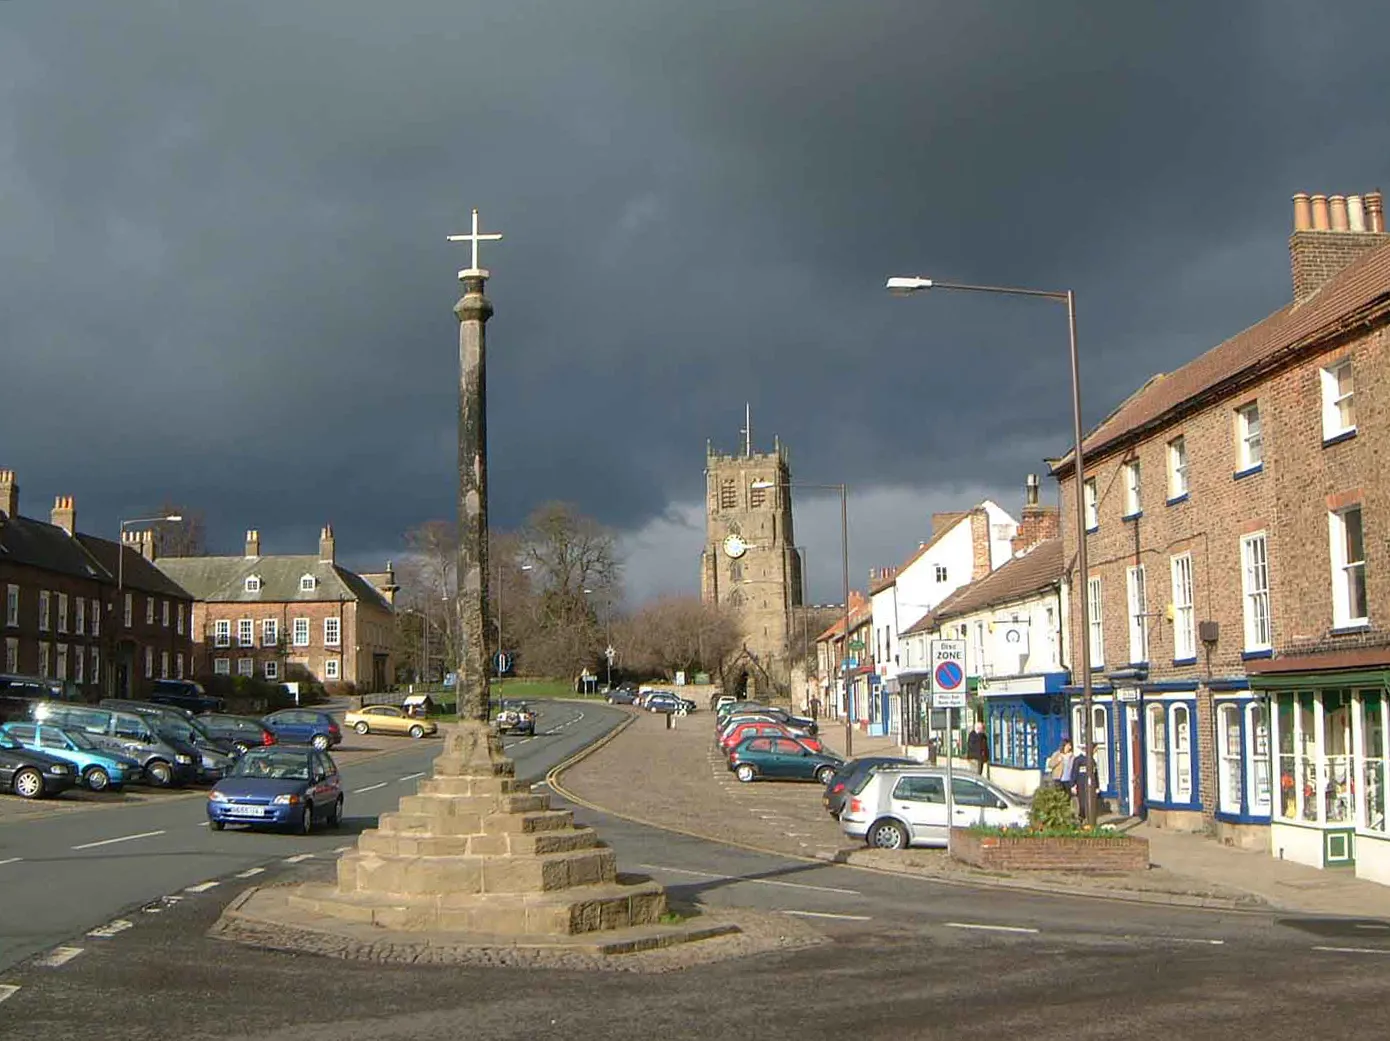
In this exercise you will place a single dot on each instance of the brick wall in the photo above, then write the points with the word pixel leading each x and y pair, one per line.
pixel 1036 524
pixel 979 545
pixel 1000 853
pixel 1315 256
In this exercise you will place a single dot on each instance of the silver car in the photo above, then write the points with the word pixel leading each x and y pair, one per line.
pixel 900 806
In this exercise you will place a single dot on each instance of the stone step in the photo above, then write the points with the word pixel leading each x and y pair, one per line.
pixel 508 843
pixel 397 823
pixel 414 875
pixel 488 786
pixel 540 820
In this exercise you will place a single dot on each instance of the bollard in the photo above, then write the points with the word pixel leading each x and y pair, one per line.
pixel 669 724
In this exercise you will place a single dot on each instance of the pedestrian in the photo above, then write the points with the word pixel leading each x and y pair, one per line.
pixel 1059 764
pixel 977 748
pixel 1083 775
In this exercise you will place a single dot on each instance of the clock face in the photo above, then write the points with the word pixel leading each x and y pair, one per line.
pixel 735 547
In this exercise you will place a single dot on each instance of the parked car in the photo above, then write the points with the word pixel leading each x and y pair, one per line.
pixel 664 701
pixel 781 759
pixel 738 734
pixel 851 778
pixel 515 717
pixel 95 767
pixel 166 760
pixel 30 774
pixel 904 806
pixel 781 715
pixel 243 733
pixel 734 722
pixel 622 696
pixel 388 719
pixel 299 726
pixel 282 787
pixel 214 755
pixel 18 695
pixel 186 694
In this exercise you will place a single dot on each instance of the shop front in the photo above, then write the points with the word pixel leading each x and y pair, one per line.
pixel 1026 720
pixel 1099 731
pixel 1168 754
pixel 1244 771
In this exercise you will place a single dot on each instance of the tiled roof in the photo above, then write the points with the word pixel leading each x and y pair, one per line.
pixel 858 616
pixel 1362 286
pixel 1035 570
pixel 927 622
pixel 223 580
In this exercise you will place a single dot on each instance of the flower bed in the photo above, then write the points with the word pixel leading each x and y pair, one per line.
pixel 1023 850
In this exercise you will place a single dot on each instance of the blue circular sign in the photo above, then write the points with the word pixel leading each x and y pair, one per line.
pixel 949 675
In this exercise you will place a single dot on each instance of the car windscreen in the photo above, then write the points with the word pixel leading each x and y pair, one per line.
pixel 274 766
pixel 8 742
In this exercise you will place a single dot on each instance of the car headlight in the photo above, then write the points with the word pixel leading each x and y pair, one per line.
pixel 288 799
pixel 57 768
pixel 184 759
pixel 216 796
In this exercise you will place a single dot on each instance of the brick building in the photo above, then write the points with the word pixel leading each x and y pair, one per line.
pixel 275 617
pixel 1239 624
pixel 94 615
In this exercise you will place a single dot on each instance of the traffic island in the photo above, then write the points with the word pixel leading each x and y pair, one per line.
pixel 474 863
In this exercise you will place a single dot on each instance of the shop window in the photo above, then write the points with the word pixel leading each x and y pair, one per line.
pixel 1257 760
pixel 1099 737
pixel 1373 756
pixel 1228 739
pixel 1336 782
pixel 1182 753
pixel 1157 772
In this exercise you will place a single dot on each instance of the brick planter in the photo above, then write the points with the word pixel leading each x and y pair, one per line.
pixel 1112 855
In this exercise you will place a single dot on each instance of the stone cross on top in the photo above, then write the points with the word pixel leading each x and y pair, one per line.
pixel 474 237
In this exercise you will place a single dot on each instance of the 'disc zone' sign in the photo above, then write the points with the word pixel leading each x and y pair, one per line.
pixel 948 673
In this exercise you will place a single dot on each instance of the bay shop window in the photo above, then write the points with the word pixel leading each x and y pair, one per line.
pixel 1332 752
pixel 1170 753
pixel 1244 778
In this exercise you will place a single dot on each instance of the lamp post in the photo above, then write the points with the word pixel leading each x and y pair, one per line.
pixel 500 661
pixel 844 561
pixel 608 641
pixel 906 285
pixel 172 518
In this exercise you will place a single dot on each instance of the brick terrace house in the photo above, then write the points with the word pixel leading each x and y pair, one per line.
pixel 74 612
pixel 271 616
pixel 1236 513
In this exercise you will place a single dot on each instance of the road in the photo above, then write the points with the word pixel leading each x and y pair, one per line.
pixel 907 957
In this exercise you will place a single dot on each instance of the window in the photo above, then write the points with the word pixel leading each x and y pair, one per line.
pixel 1177 468
pixel 149 610
pixel 728 494
pixel 62 612
pixel 330 668
pixel 332 631
pixel 1338 415
pixel 60 662
pixel 1097 634
pixel 246 666
pixel 245 632
pixel 12 606
pixel 757 495
pixel 178 665
pixel 1182 753
pixel 149 663
pixel 1348 569
pixel 79 621
pixel 129 609
pixel 164 613
pixel 45 650
pixel 96 618
pixel 1138 615
pixel 252 584
pixel 941 572
pixel 307 583
pixel 272 670
pixel 78 664
pixel 1250 451
pixel 164 665
pixel 270 632
pixel 1157 773
pixel 1254 558
pixel 11 654
pixel 1315 761
pixel 301 632
pixel 1092 504
pixel 1184 635
pixel 1134 496
pixel 222 632
pixel 976 664
pixel 96 666
pixel 43 610
pixel 1373 759
pixel 180 618
pixel 222 666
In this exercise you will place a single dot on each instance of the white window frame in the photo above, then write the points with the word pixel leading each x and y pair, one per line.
pixel 308 583
pixel 178 665
pixel 1091 499
pixel 12 606
pixel 270 632
pixel 332 669
pixel 1250 452
pixel 149 662
pixel 149 610
pixel 941 572
pixel 1254 582
pixel 1177 468
pixel 333 632
pixel 222 632
pixel 301 632
pixel 1136 595
pixel 272 669
pixel 1096 623
pixel 246 667
pixel 1184 610
pixel 1335 398
pixel 1156 749
pixel 222 666
pixel 245 632
pixel 1180 727
pixel 45 655
pixel 95 673
pixel 252 584
pixel 96 619
pixel 129 609
pixel 11 654
pixel 79 615
pixel 1134 489
pixel 79 664
pixel 164 665
pixel 1347 573
pixel 1259 782
pixel 62 612
pixel 180 619
pixel 164 613
pixel 44 598
pixel 60 661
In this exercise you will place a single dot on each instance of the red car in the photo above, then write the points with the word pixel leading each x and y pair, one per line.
pixel 731 740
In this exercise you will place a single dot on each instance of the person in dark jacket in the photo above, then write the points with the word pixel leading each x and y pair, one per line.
pixel 977 748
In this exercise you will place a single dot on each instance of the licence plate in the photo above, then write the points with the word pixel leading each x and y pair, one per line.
pixel 246 811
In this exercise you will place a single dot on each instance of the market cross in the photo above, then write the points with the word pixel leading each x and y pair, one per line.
pixel 474 237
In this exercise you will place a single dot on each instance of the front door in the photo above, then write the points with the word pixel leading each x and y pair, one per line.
pixel 1134 760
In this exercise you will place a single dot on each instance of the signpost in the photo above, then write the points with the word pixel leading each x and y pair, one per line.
pixel 948 692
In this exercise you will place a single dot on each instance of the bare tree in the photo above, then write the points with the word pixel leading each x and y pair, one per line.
pixel 182 538
pixel 427 579
pixel 678 633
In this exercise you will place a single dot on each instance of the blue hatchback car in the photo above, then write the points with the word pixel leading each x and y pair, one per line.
pixel 299 726
pixel 283 787
pixel 97 768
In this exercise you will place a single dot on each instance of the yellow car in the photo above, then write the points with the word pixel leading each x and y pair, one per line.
pixel 388 719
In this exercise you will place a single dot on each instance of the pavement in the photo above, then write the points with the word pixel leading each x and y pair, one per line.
pixel 676 779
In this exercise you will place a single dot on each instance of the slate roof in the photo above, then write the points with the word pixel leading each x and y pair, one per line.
pixel 1034 571
pixel 1362 286
pixel 223 580
pixel 138 573
pixel 48 547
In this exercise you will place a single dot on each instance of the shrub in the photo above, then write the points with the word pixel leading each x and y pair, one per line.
pixel 1052 809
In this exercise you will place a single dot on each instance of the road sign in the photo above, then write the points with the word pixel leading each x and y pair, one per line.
pixel 948 673
pixel 849 663
pixel 503 661
pixel 856 645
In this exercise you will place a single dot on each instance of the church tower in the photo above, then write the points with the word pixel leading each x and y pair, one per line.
pixel 750 561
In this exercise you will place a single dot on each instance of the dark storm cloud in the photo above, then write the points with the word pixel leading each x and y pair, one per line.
pixel 223 275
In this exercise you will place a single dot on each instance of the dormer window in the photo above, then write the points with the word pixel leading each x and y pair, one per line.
pixel 253 583
pixel 308 583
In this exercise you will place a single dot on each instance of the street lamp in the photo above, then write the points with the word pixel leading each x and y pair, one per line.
pixel 501 650
pixel 844 560
pixel 608 640
pixel 172 518
pixel 903 286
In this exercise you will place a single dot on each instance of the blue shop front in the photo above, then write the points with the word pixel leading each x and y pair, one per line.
pixel 1026 720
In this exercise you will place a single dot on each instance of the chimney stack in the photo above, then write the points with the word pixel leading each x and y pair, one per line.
pixel 1037 522
pixel 9 494
pixel 147 549
pixel 64 514
pixel 1329 233
pixel 253 544
pixel 326 546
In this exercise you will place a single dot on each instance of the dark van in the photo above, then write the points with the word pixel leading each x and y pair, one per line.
pixel 19 693
pixel 185 694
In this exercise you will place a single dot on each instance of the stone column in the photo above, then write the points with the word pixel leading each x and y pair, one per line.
pixel 473 310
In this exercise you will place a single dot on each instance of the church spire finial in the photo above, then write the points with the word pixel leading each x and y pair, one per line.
pixel 747 430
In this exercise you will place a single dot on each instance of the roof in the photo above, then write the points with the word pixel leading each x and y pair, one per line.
pixel 48 547
pixel 1362 286
pixel 861 613
pixel 136 572
pixel 223 580
pixel 1035 570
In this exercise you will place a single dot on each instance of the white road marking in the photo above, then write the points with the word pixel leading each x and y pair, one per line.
pixel 411 777
pixel 123 838
pixel 1354 950
pixel 11 860
pixel 989 928
pixel 1359 925
pixel 1184 939
pixel 110 929
pixel 342 849
pixel 201 887
pixel 8 990
pixel 369 788
pixel 753 881
pixel 58 956
pixel 826 914
pixel 298 857
pixel 250 872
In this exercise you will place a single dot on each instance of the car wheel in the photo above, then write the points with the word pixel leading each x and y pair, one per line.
pixel 217 825
pixel 745 773
pixel 335 815
pixel 824 774
pixel 160 773
pixel 362 727
pixel 97 779
pixel 888 835
pixel 306 819
pixel 320 742
pixel 417 731
pixel 27 783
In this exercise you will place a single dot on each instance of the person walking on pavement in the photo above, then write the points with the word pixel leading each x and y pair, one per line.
pixel 1083 774
pixel 977 748
pixel 1059 764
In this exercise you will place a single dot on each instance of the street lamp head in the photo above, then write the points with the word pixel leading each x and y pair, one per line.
pixel 902 286
pixel 174 518
pixel 761 485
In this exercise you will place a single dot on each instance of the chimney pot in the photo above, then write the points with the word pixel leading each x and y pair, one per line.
pixel 1302 213
pixel 1375 211
pixel 64 514
pixel 1030 490
pixel 1337 209
pixel 253 544
pixel 1321 218
pixel 1356 214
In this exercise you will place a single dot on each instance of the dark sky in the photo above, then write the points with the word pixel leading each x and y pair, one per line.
pixel 224 277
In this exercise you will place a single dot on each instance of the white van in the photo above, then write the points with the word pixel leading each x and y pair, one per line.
pixel 902 806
